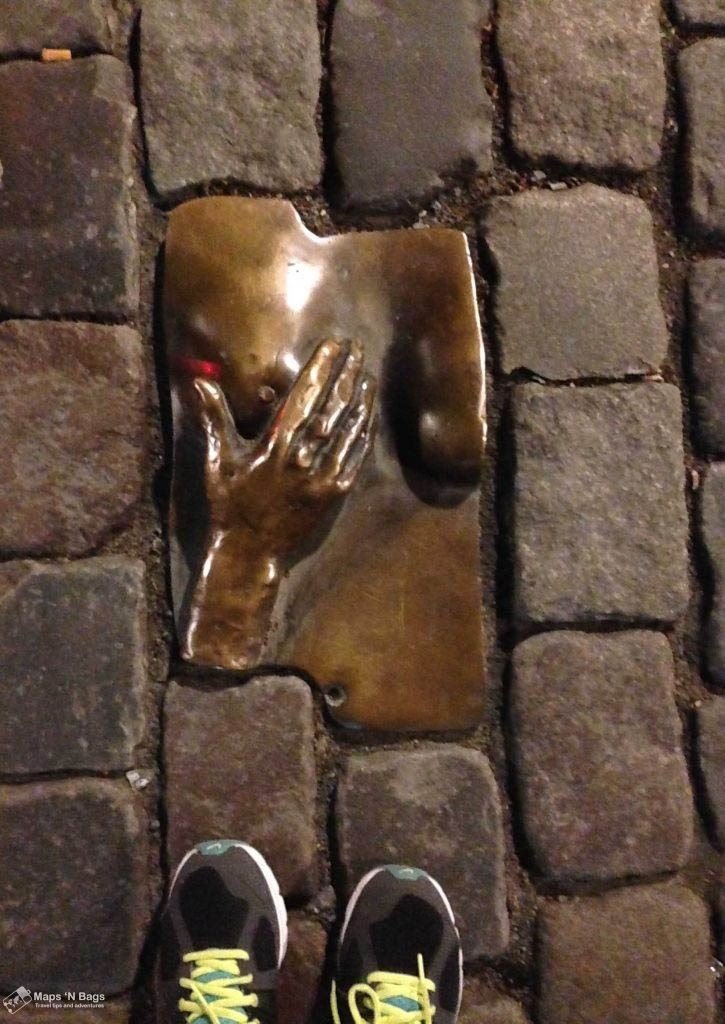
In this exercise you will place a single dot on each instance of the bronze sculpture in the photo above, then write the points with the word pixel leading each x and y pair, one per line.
pixel 301 534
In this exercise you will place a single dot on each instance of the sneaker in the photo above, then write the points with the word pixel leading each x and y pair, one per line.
pixel 223 935
pixel 399 955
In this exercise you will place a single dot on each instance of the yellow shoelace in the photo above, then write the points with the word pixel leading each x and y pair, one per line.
pixel 216 988
pixel 376 995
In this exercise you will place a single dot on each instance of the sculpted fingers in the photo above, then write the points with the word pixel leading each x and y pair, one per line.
pixel 341 461
pixel 342 392
pixel 333 436
pixel 217 424
pixel 335 405
pixel 306 394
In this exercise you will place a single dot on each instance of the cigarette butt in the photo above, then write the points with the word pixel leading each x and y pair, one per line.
pixel 51 55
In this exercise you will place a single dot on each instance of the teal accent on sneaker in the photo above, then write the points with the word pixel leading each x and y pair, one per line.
pixel 403 872
pixel 403 1003
pixel 213 847
pixel 214 976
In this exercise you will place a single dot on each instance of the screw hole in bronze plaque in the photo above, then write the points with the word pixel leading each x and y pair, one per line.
pixel 267 394
pixel 336 695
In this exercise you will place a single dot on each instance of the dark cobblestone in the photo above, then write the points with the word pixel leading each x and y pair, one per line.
pixel 607 321
pixel 437 809
pixel 597 742
pixel 72 903
pixel 72 664
pixel 707 314
pixel 263 750
pixel 72 406
pixel 301 974
pixel 701 13
pixel 482 1005
pixel 599 518
pixel 702 71
pixel 585 80
pixel 67 221
pixel 635 956
pixel 229 91
pixel 713 535
pixel 79 25
pixel 410 104
pixel 711 748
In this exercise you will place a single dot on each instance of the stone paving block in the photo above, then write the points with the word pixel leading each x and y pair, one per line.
pixel 230 91
pixel 67 220
pixel 577 288
pixel 711 749
pixel 483 1005
pixel 73 890
pixel 78 25
pixel 257 739
pixel 599 519
pixel 701 74
pixel 586 80
pixel 635 956
pixel 713 536
pixel 437 809
pixel 72 665
pixel 301 973
pixel 72 403
pixel 601 776
pixel 701 13
pixel 706 293
pixel 428 114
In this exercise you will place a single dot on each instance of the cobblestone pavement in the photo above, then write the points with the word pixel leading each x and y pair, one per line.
pixel 580 829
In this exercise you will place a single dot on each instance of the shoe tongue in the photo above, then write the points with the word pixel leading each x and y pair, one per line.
pixel 214 976
pixel 403 1003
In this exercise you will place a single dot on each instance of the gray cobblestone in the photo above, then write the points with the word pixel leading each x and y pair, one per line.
pixel 72 664
pixel 72 405
pixel 634 956
pixel 713 535
pixel 606 321
pixel 701 13
pixel 67 220
pixel 599 519
pixel 585 80
pixel 701 72
pixel 72 892
pixel 427 115
pixel 263 750
pixel 437 809
pixel 707 327
pixel 229 91
pixel 600 771
pixel 482 1005
pixel 79 25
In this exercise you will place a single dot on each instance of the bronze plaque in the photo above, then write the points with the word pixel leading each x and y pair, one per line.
pixel 329 427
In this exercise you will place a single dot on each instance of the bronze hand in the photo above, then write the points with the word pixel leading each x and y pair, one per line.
pixel 266 497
